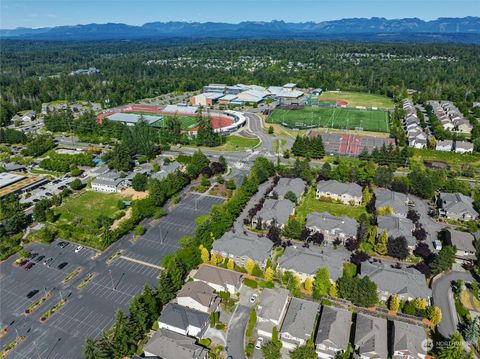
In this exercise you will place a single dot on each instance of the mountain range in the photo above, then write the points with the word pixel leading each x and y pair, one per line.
pixel 465 30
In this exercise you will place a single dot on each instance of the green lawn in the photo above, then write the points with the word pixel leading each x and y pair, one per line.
pixel 455 160
pixel 77 215
pixel 235 143
pixel 310 204
pixel 360 99
pixel 341 118
pixel 187 122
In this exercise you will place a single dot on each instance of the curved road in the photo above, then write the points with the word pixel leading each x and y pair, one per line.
pixel 443 298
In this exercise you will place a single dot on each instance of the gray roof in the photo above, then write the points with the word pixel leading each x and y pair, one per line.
pixel 165 170
pixel 271 303
pixel 310 260
pixel 334 327
pixel 296 185
pixel 408 338
pixel 252 246
pixel 395 200
pixel 170 345
pixel 396 227
pixel 464 145
pixel 461 240
pixel 371 336
pixel 404 281
pixel 278 210
pixel 12 166
pixel 300 318
pixel 337 225
pixel 198 291
pixel 219 276
pixel 182 317
pixel 133 118
pixel 444 143
pixel 457 203
pixel 340 188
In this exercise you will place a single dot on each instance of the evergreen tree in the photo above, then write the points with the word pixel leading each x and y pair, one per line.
pixel 381 245
pixel 321 284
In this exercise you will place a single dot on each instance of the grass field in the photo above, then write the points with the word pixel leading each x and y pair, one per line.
pixel 367 120
pixel 310 204
pixel 77 215
pixel 235 143
pixel 360 99
pixel 188 122
pixel 454 160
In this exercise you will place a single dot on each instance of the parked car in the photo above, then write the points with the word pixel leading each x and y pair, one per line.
pixel 32 293
pixel 62 244
pixel 258 344
pixel 78 249
pixel 47 261
pixel 23 262
pixel 32 255
pixel 253 298
pixel 29 265
pixel 62 265
pixel 39 259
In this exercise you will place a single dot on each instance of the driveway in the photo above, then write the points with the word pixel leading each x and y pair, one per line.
pixel 427 222
pixel 443 298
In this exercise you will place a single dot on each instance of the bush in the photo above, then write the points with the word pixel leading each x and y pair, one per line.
pixel 139 230
pixel 250 283
pixel 252 320
pixel 76 184
pixel 349 270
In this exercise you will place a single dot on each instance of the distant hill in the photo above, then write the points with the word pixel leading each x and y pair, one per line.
pixel 465 30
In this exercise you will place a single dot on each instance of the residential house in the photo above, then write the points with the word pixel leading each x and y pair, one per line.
pixel 271 310
pixel 285 185
pixel 222 280
pixel 184 320
pixel 170 345
pixel 305 262
pixel 371 339
pixel 332 227
pixel 299 322
pixel 463 243
pixel 333 333
pixel 109 182
pixel 241 248
pixel 408 341
pixel 274 212
pixel 396 201
pixel 463 126
pixel 166 169
pixel 445 145
pixel 346 193
pixel 397 227
pixel 463 147
pixel 199 296
pixel 456 206
pixel 406 282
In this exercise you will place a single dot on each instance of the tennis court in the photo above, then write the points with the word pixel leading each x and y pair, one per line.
pixel 340 118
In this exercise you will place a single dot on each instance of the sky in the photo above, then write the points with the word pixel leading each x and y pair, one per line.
pixel 39 13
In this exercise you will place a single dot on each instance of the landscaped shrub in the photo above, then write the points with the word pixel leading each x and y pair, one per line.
pixel 250 283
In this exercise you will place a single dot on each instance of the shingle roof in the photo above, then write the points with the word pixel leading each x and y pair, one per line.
pixel 340 188
pixel 408 338
pixel 371 335
pixel 271 303
pixel 457 203
pixel 396 227
pixel 463 241
pixel 181 317
pixel 334 327
pixel 278 210
pixel 170 345
pixel 337 225
pixel 310 260
pixel 296 185
pixel 300 318
pixel 198 291
pixel 404 281
pixel 218 276
pixel 252 246
pixel 386 198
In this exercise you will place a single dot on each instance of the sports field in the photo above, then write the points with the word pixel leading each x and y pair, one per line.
pixel 187 122
pixel 359 99
pixel 341 118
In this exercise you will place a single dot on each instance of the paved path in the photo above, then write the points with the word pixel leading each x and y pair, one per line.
pixel 443 298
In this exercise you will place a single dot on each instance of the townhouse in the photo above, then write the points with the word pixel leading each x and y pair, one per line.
pixel 332 227
pixel 346 193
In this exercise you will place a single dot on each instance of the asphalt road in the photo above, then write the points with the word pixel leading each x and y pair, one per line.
pixel 443 298
pixel 427 222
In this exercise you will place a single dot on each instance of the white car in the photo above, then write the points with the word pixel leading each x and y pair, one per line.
pixel 258 344
pixel 253 298
pixel 78 249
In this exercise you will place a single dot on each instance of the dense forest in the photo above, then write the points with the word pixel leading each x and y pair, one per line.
pixel 37 72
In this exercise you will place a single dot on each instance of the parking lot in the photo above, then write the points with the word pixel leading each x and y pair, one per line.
pixel 47 190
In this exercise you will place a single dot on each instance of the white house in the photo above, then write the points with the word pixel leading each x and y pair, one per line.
pixel 108 182
pixel 198 295
pixel 271 310
pixel 222 280
pixel 299 322
pixel 183 320
pixel 333 333
pixel 347 193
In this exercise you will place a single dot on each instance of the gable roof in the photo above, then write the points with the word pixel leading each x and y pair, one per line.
pixel 340 188
pixel 170 345
pixel 252 246
pixel 408 338
pixel 463 241
pixel 198 291
pixel 337 225
pixel 284 185
pixel 310 260
pixel 300 318
pixel 403 281
pixel 181 317
pixel 278 210
pixel 371 335
pixel 334 327
pixel 457 203
pixel 271 303
pixel 396 227
pixel 219 276
pixel 395 200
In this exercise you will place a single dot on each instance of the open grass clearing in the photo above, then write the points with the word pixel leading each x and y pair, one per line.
pixel 359 99
pixel 469 301
pixel 234 143
pixel 454 160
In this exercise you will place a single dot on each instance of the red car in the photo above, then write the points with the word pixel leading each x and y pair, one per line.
pixel 22 262
pixel 29 265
